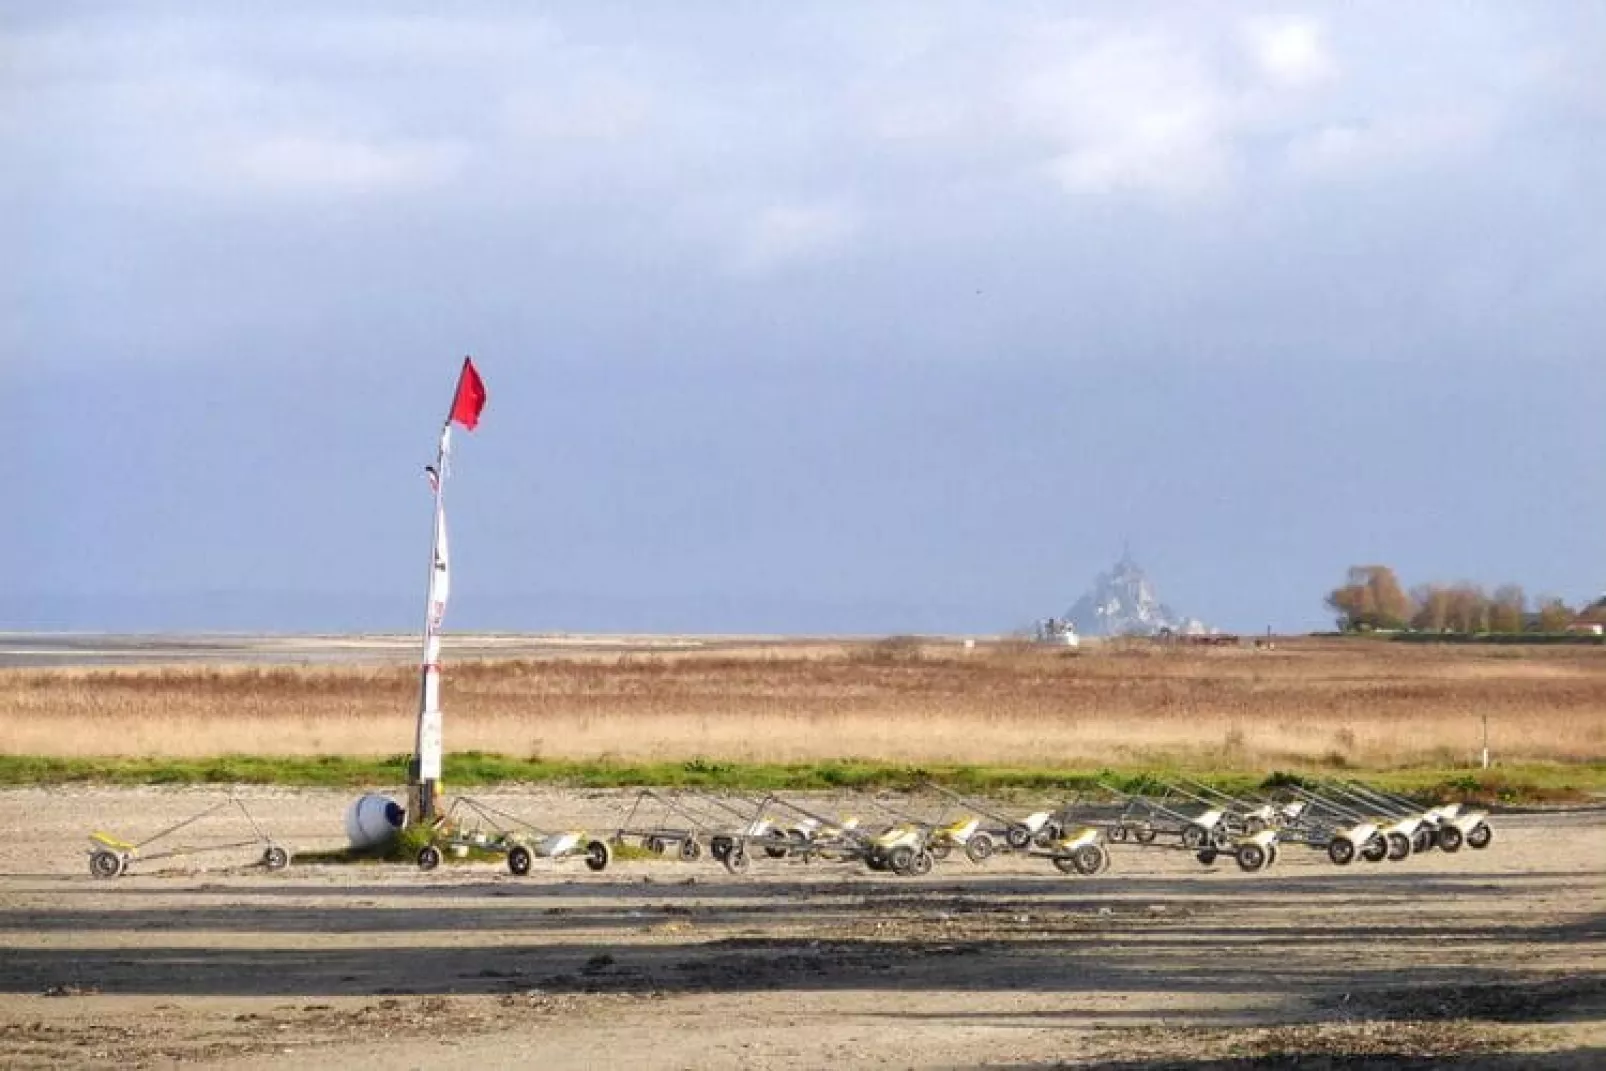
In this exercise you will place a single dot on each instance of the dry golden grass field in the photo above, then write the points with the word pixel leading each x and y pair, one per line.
pixel 1309 702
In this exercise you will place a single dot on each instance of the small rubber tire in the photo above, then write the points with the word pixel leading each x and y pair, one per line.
pixel 103 864
pixel 720 847
pixel 736 860
pixel 429 857
pixel 690 850
pixel 1479 836
pixel 979 848
pixel 1423 840
pixel 1450 838
pixel 1194 836
pixel 1117 833
pixel 1064 864
pixel 1376 849
pixel 598 855
pixel 1399 846
pixel 1090 859
pixel 922 864
pixel 1341 850
pixel 1018 837
pixel 275 858
pixel 901 859
pixel 1252 858
pixel 1207 854
pixel 519 859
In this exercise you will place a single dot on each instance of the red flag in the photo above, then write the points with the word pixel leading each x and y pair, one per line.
pixel 470 397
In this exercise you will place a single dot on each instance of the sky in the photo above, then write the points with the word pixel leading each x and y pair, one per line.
pixel 844 317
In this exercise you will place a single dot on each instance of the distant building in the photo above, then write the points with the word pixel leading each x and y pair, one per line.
pixel 1123 602
pixel 1058 632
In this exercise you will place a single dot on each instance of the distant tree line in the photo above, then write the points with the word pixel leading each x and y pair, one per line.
pixel 1372 598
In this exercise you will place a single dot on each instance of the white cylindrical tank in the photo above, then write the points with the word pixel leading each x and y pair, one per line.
pixel 371 820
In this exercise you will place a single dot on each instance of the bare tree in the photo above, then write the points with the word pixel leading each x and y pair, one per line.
pixel 1371 598
pixel 1432 607
pixel 1555 615
pixel 1469 609
pixel 1507 609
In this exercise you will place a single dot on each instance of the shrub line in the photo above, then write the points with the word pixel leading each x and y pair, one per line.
pixel 1529 783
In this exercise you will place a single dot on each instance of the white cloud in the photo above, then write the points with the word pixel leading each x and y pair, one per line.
pixel 1290 52
pixel 1389 143
pixel 785 234
pixel 309 163
pixel 1127 112
pixel 591 106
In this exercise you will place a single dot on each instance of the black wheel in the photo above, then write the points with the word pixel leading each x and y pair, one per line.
pixel 1450 839
pixel 979 848
pixel 1422 840
pixel 922 864
pixel 719 847
pixel 519 860
pixel 1251 857
pixel 1341 850
pixel 774 850
pixel 1399 845
pixel 103 864
pixel 1050 833
pixel 1117 833
pixel 940 850
pixel 1194 836
pixel 429 857
pixel 1064 864
pixel 1272 852
pixel 690 850
pixel 1145 834
pixel 736 860
pixel 598 855
pixel 1089 859
pixel 275 858
pixel 1207 854
pixel 1479 836
pixel 901 859
pixel 1220 836
pixel 1376 849
pixel 1018 837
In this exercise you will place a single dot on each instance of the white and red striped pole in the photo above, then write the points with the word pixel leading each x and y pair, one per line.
pixel 424 772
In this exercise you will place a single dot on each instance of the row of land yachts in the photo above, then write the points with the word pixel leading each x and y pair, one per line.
pixel 910 835
pixel 906 835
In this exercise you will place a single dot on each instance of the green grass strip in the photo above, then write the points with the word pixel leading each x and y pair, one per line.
pixel 1527 783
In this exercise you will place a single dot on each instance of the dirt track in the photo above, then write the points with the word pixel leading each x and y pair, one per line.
pixel 1487 959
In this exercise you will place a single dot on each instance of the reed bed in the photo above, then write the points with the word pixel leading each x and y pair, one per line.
pixel 1325 703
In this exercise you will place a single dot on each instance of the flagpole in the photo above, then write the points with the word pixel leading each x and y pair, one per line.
pixel 424 773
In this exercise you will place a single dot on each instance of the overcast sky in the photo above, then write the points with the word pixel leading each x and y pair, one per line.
pixel 849 317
